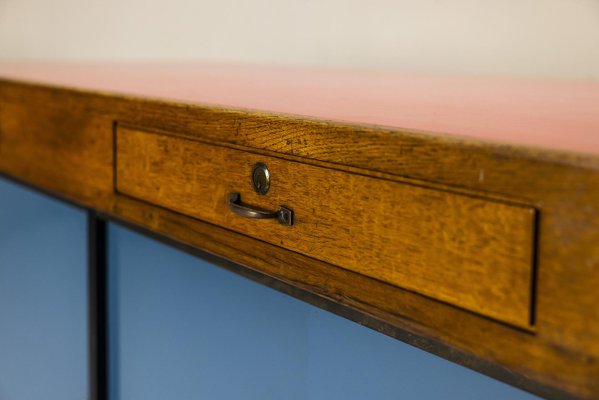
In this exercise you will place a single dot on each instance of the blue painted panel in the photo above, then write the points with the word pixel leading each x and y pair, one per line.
pixel 43 318
pixel 185 329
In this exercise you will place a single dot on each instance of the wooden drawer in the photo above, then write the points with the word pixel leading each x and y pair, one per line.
pixel 471 252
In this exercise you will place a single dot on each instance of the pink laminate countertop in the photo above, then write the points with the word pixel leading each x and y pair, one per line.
pixel 561 115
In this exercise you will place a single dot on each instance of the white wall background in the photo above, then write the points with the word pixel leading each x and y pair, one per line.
pixel 545 38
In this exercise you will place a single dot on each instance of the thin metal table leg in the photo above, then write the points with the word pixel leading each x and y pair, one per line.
pixel 97 306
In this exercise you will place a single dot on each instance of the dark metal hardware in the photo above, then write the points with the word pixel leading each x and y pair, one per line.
pixel 283 215
pixel 261 178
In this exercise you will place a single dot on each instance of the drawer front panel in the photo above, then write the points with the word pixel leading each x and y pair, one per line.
pixel 471 252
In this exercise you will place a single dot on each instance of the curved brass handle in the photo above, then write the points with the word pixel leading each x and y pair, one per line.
pixel 283 215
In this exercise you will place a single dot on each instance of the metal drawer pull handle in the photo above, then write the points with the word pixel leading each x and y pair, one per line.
pixel 283 215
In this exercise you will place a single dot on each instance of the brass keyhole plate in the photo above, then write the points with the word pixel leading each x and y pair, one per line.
pixel 260 178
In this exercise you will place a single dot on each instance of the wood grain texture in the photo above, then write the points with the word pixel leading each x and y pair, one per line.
pixel 545 113
pixel 470 252
pixel 559 359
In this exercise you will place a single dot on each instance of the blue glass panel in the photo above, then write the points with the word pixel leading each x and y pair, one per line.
pixel 185 329
pixel 43 317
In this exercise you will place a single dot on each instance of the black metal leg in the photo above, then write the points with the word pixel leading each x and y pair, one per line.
pixel 98 307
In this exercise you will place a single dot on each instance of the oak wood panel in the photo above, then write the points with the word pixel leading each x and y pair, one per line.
pixel 68 152
pixel 560 359
pixel 471 252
